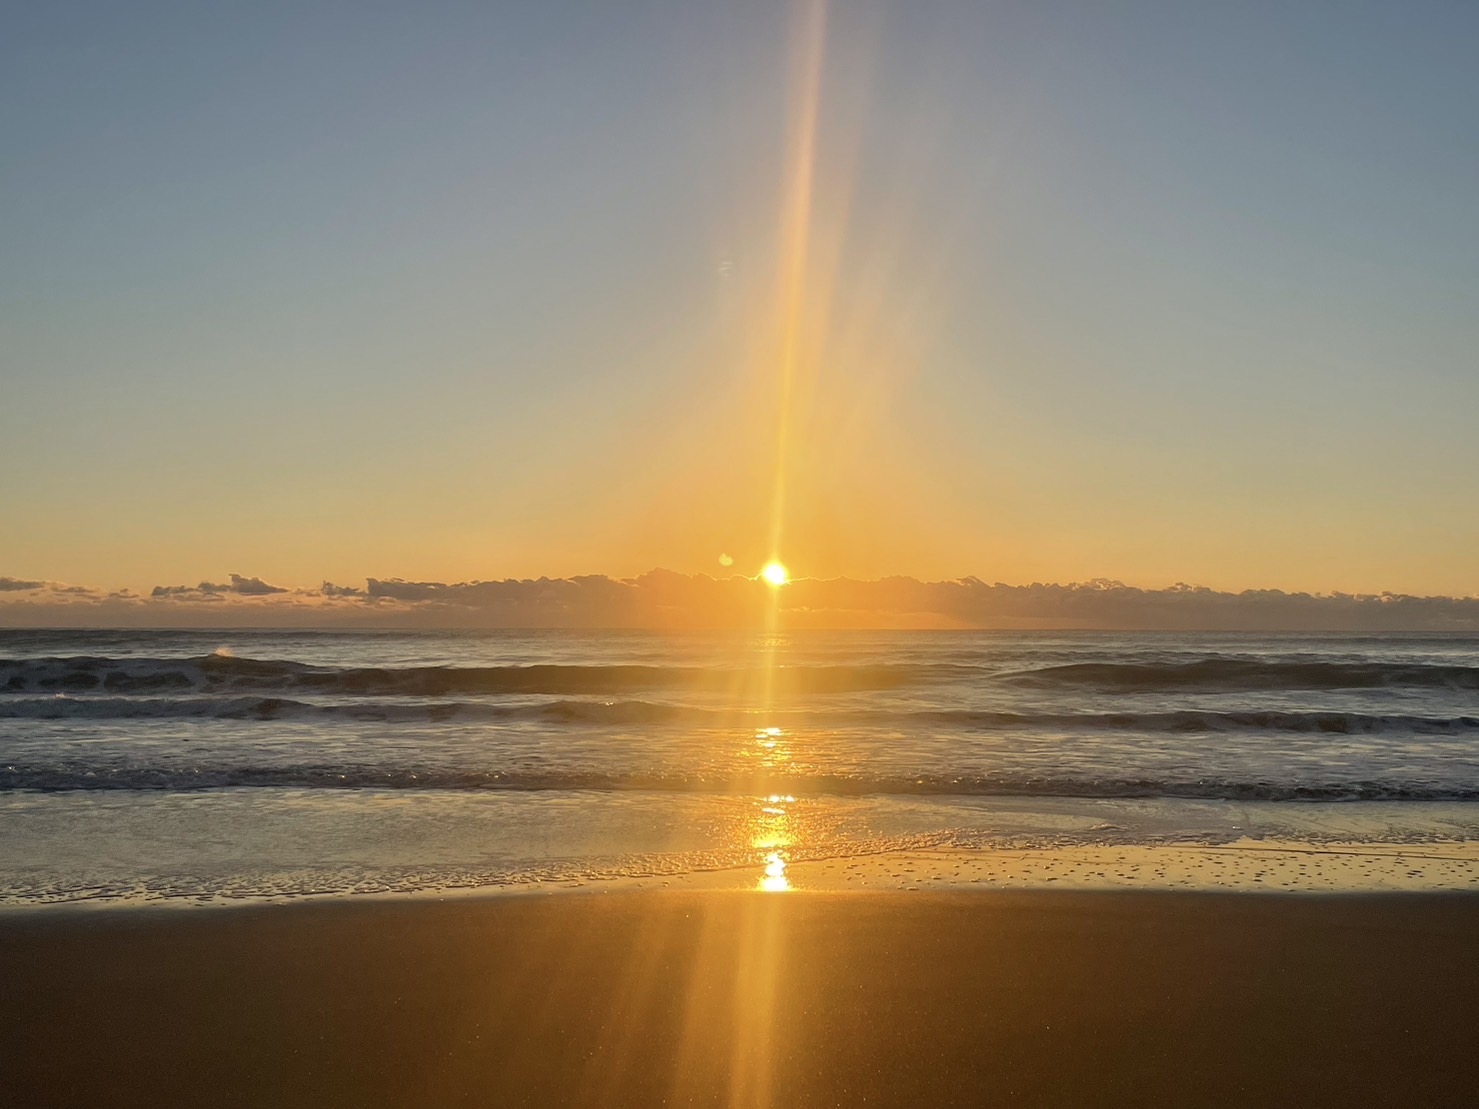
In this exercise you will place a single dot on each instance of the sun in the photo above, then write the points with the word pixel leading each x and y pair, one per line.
pixel 775 573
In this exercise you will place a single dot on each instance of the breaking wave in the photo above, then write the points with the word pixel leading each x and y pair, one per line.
pixel 224 673
pixel 1217 675
pixel 227 673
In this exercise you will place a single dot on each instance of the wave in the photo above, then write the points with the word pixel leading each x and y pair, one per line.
pixel 287 709
pixel 1192 721
pixel 220 674
pixel 228 673
pixel 637 712
pixel 1219 675
pixel 52 779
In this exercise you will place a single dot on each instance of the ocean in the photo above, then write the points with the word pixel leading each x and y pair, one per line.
pixel 187 766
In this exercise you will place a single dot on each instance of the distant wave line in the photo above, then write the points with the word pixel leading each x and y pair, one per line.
pixel 596 713
pixel 51 779
pixel 1212 675
pixel 211 673
pixel 229 672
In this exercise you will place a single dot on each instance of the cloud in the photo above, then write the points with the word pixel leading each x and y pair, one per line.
pixel 253 587
pixel 48 590
pixel 662 599
pixel 1112 605
pixel 665 599
pixel 205 588
pixel 244 587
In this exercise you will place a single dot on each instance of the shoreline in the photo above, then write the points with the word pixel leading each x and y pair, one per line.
pixel 1246 866
pixel 636 997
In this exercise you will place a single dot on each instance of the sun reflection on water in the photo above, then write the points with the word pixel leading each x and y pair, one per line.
pixel 772 832
pixel 775 880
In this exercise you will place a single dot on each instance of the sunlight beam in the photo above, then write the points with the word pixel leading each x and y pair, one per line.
pixel 795 244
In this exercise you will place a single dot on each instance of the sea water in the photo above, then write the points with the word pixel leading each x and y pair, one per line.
pixel 210 765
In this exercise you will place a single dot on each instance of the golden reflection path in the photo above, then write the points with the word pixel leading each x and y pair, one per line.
pixel 772 833
pixel 740 950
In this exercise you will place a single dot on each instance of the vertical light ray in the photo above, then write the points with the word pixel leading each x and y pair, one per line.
pixel 758 952
pixel 796 220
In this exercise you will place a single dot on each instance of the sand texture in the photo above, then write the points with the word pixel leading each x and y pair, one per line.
pixel 707 998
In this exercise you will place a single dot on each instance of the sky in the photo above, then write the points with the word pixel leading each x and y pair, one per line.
pixel 1036 292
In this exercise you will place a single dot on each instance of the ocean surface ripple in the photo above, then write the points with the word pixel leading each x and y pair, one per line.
pixel 1278 718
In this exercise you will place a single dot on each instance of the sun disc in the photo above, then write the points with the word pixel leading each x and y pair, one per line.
pixel 775 573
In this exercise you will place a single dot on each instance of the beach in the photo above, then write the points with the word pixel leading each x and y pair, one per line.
pixel 750 555
pixel 516 868
pixel 658 997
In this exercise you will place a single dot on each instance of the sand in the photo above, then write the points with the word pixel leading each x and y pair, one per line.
pixel 747 999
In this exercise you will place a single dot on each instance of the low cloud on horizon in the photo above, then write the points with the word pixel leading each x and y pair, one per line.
pixel 662 599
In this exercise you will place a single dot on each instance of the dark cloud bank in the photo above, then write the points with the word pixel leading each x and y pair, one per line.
pixel 662 599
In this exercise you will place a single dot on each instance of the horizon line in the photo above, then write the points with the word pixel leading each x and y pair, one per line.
pixel 665 600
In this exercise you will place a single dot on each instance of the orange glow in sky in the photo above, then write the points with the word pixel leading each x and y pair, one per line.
pixel 926 297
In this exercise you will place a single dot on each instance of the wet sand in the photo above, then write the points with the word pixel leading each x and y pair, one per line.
pixel 705 998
